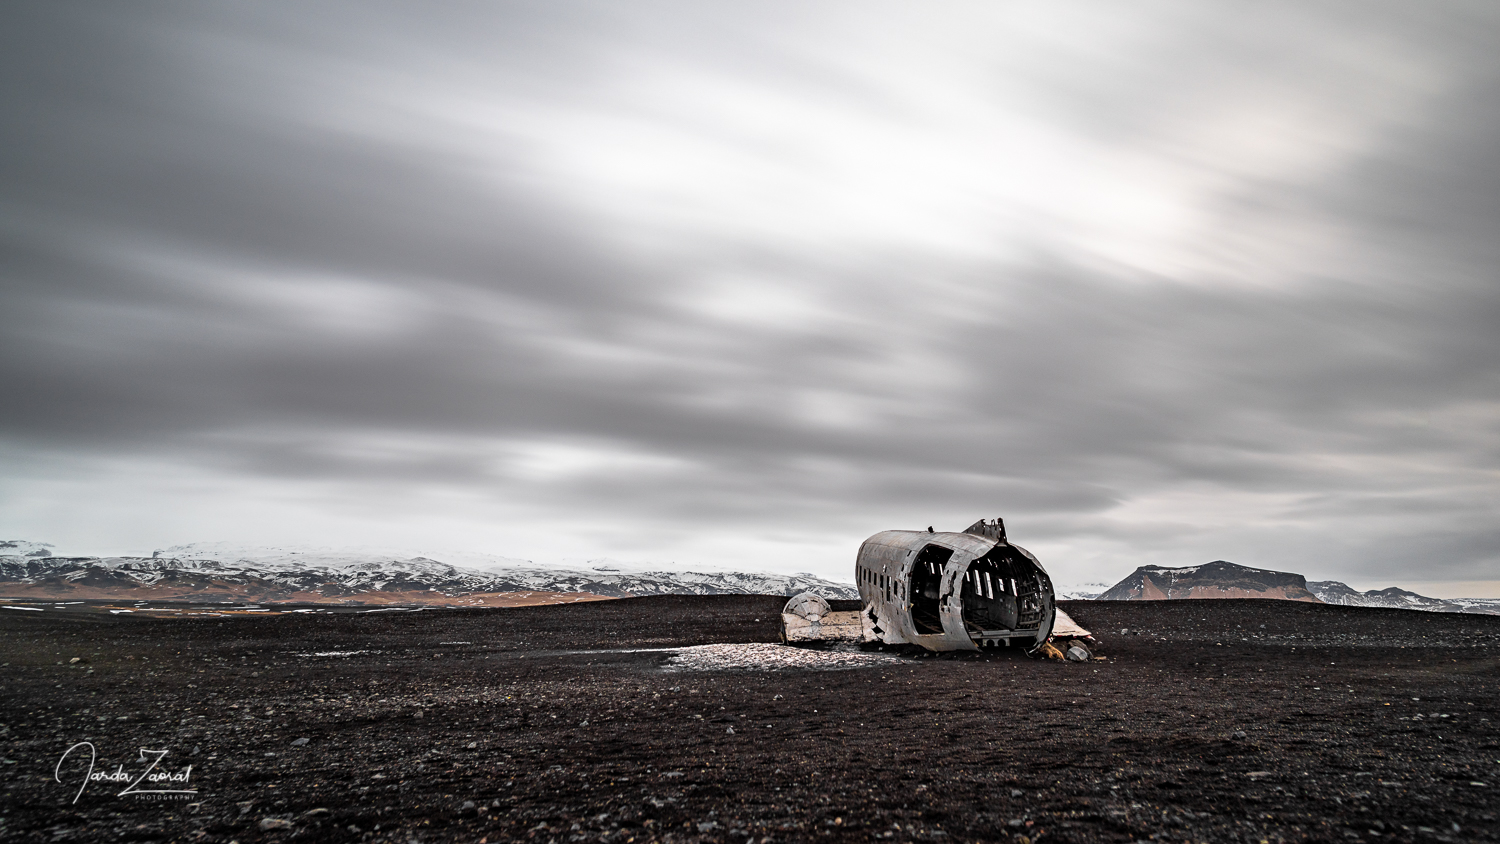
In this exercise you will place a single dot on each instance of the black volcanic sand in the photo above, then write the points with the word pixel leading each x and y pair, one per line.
pixel 1232 720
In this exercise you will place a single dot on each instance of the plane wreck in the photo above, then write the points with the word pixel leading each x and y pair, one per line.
pixel 964 591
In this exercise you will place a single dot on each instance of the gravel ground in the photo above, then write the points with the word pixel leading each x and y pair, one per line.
pixel 1215 721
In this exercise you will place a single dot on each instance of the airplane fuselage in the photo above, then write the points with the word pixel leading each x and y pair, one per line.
pixel 953 591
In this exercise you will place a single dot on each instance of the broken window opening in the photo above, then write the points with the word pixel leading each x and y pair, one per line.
pixel 985 611
pixel 926 583
pixel 988 611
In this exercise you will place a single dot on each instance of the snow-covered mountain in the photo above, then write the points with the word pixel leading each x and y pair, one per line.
pixel 22 548
pixel 222 572
pixel 1334 592
pixel 1080 591
pixel 1486 606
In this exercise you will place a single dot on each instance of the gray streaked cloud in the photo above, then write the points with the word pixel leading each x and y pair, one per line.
pixel 743 285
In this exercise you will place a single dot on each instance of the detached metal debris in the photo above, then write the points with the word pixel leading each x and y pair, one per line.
pixel 809 618
pixel 969 590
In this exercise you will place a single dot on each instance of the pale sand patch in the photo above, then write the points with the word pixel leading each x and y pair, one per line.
pixel 764 656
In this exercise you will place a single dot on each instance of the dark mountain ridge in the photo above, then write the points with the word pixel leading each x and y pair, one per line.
pixel 1223 579
pixel 1218 579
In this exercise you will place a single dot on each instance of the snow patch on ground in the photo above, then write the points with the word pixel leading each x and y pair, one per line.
pixel 762 656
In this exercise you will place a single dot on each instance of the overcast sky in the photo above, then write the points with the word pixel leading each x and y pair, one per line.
pixel 743 283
